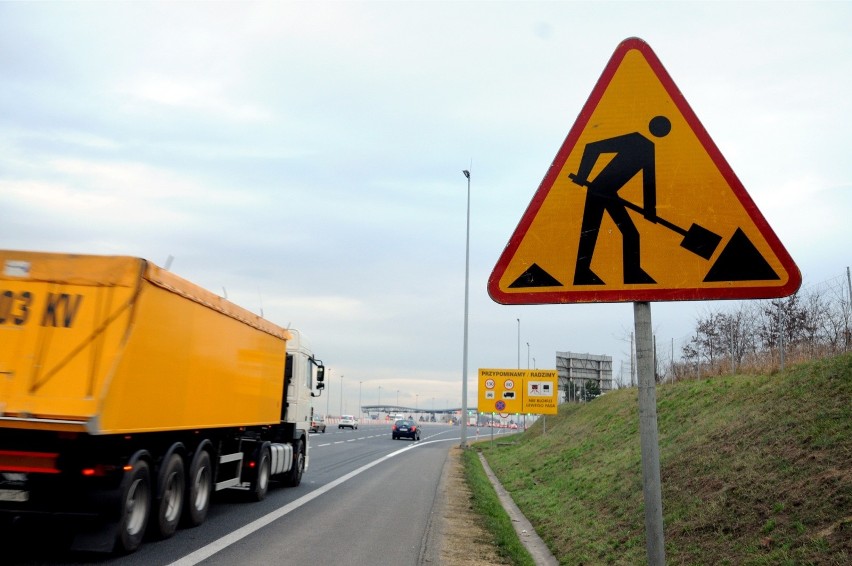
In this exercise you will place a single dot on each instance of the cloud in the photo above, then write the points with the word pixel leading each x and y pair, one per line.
pixel 305 158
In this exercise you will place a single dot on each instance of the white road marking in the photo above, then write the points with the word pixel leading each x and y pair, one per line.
pixel 206 552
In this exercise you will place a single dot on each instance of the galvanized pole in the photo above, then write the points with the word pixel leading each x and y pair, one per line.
pixel 783 331
pixel 651 489
pixel 849 282
pixel 463 442
pixel 328 397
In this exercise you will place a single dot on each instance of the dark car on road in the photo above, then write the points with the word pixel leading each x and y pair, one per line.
pixel 405 428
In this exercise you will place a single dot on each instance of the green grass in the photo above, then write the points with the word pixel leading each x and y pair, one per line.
pixel 756 469
pixel 488 506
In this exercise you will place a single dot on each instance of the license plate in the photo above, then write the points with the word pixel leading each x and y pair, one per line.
pixel 14 495
pixel 403 429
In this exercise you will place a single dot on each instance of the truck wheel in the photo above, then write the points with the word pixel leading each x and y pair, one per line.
pixel 199 489
pixel 294 476
pixel 170 505
pixel 135 507
pixel 260 484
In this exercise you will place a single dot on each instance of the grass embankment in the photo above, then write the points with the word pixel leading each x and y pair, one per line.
pixel 756 469
pixel 495 519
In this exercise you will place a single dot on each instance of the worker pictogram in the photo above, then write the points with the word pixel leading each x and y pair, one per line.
pixel 633 154
pixel 640 205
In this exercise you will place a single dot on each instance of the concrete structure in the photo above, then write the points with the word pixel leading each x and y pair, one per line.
pixel 578 369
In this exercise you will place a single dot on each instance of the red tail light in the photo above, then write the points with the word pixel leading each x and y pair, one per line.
pixel 393 427
pixel 35 462
pixel 413 429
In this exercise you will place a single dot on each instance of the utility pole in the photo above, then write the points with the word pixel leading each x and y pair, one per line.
pixel 673 369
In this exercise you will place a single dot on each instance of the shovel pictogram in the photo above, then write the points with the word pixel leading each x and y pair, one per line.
pixel 739 260
pixel 697 239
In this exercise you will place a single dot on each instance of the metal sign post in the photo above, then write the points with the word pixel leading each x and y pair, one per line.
pixel 651 489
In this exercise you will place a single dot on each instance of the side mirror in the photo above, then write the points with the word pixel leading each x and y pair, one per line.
pixel 320 377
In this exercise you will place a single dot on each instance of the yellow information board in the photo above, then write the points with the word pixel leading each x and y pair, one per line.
pixel 518 391
pixel 640 205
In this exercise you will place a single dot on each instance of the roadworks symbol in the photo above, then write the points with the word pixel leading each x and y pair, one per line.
pixel 640 205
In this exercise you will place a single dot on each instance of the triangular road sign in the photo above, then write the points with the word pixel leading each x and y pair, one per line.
pixel 640 205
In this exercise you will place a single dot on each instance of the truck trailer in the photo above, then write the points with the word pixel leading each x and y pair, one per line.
pixel 129 395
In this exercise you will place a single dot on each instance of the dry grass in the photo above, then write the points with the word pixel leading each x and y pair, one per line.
pixel 465 541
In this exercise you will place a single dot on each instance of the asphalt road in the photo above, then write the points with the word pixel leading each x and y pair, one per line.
pixel 365 498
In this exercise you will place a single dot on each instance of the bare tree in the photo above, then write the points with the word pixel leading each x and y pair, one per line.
pixel 810 323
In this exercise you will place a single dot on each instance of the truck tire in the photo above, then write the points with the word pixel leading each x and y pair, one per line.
pixel 294 476
pixel 172 482
pixel 260 483
pixel 199 489
pixel 135 507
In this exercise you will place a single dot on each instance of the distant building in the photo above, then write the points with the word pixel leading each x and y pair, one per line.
pixel 577 371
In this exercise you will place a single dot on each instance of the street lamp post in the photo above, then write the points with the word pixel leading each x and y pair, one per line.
pixel 463 442
pixel 519 343
pixel 328 397
pixel 341 396
pixel 360 409
pixel 528 355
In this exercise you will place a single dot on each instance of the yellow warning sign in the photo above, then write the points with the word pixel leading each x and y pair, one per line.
pixel 640 205
pixel 518 391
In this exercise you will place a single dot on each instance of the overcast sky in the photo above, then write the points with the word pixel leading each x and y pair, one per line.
pixel 306 158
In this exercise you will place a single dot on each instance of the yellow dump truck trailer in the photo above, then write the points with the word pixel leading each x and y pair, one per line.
pixel 128 395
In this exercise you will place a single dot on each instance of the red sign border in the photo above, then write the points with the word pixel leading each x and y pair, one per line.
pixel 627 295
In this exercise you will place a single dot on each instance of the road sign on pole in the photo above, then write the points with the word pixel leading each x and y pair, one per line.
pixel 640 205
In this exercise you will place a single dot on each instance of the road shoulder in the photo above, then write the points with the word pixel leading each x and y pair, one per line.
pixel 534 544
pixel 457 538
